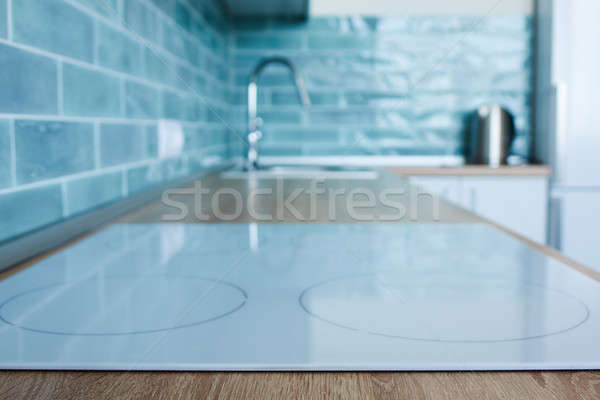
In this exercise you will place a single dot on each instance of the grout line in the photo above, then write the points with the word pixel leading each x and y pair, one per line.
pixel 121 8
pixel 160 37
pixel 123 98
pixel 65 199
pixel 59 89
pixel 145 141
pixel 96 42
pixel 13 152
pixel 108 120
pixel 90 172
pixel 124 183
pixel 9 20
pixel 118 74
pixel 93 172
pixel 96 145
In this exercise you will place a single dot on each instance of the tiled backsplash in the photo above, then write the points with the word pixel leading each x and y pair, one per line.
pixel 94 91
pixel 84 85
pixel 385 86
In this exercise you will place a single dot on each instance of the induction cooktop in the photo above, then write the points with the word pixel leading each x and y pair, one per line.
pixel 420 296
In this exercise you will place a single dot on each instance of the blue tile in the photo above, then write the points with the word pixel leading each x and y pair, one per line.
pixel 215 14
pixel 246 62
pixel 29 209
pixel 216 91
pixel 268 78
pixel 183 16
pixel 152 141
pixel 186 108
pixel 218 44
pixel 185 78
pixel 145 177
pixel 406 136
pixel 331 24
pixel 121 143
pixel 200 30
pixel 280 151
pixel 90 192
pixel 341 116
pixel 509 24
pixel 290 97
pixel 142 101
pixel 106 8
pixel 281 116
pixel 395 103
pixel 218 114
pixel 217 69
pixel 377 99
pixel 159 69
pixel 89 93
pixel 214 137
pixel 200 85
pixel 324 24
pixel 177 43
pixel 193 138
pixel 55 26
pixel 250 24
pixel 48 149
pixel 5 155
pixel 301 135
pixel 23 73
pixel 166 6
pixel 268 41
pixel 175 168
pixel 340 42
pixel 119 52
pixel 142 20
pixel 3 19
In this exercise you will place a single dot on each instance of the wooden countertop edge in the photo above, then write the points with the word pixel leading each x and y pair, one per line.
pixel 589 272
pixel 475 170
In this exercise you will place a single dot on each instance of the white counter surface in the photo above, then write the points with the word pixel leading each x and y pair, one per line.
pixel 411 296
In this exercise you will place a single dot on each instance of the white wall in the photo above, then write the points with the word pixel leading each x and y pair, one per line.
pixel 414 7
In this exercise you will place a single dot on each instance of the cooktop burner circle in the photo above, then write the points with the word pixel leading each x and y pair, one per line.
pixel 122 305
pixel 443 308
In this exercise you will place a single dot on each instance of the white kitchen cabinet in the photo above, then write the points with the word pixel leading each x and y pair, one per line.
pixel 575 224
pixel 448 187
pixel 519 203
pixel 515 202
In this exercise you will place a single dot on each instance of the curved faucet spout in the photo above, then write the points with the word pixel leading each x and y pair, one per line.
pixel 253 121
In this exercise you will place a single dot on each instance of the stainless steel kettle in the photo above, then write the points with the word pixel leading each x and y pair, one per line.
pixel 491 135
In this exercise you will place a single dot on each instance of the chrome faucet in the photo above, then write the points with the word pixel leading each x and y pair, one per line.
pixel 254 122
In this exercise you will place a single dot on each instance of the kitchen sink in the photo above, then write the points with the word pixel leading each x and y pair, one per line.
pixel 302 172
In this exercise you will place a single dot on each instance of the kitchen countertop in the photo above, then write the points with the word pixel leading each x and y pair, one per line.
pixel 475 170
pixel 571 384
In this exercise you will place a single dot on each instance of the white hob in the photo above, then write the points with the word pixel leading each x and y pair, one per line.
pixel 427 296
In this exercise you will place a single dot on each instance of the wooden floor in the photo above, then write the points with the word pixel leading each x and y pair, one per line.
pixel 296 385
pixel 191 385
